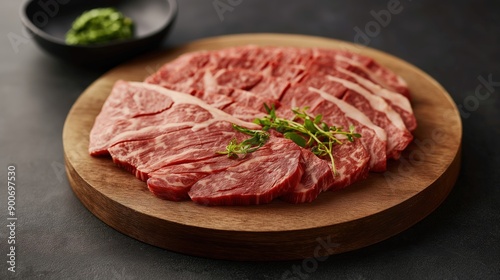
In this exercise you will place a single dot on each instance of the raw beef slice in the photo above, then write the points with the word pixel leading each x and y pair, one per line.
pixel 193 133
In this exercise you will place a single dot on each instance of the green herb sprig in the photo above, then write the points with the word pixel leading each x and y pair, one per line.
pixel 307 131
pixel 304 130
pixel 250 145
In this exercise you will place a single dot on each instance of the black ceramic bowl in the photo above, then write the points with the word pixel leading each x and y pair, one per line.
pixel 49 23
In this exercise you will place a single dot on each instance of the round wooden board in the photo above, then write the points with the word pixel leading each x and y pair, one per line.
pixel 363 214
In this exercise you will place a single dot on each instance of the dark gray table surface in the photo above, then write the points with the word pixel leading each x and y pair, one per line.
pixel 456 42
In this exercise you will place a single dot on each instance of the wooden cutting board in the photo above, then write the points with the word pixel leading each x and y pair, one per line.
pixel 363 214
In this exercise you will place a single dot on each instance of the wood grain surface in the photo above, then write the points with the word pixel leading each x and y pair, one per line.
pixel 365 213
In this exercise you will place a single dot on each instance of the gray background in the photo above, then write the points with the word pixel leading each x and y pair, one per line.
pixel 58 238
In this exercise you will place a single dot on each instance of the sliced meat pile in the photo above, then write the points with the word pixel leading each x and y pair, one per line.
pixel 168 130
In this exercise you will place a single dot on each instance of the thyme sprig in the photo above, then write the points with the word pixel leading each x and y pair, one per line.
pixel 234 149
pixel 309 132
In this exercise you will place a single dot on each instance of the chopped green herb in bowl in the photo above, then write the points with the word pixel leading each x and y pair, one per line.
pixel 101 25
